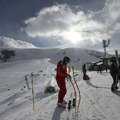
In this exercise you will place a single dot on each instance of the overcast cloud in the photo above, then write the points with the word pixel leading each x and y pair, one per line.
pixel 62 22
pixel 11 43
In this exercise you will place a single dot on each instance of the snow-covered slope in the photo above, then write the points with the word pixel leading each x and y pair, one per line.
pixel 97 100
pixel 78 56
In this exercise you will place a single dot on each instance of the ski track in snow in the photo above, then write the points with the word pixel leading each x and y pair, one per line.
pixel 89 108
pixel 97 100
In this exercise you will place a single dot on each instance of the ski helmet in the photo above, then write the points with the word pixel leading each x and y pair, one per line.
pixel 66 59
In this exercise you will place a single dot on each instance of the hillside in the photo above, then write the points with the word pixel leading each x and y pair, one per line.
pixel 78 56
pixel 97 100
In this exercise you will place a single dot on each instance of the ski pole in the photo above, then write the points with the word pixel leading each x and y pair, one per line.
pixel 33 91
pixel 26 79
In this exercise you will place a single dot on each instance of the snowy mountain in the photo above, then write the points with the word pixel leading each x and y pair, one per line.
pixel 78 56
pixel 97 100
pixel 6 42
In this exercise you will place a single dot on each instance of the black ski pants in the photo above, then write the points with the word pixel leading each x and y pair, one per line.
pixel 115 80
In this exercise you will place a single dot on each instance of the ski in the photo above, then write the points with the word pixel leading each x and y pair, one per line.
pixel 75 95
pixel 71 69
pixel 79 96
pixel 71 113
pixel 72 101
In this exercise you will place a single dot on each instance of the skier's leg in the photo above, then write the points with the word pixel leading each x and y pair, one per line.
pixel 114 85
pixel 62 91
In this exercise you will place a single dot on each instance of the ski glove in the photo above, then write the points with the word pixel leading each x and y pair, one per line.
pixel 69 77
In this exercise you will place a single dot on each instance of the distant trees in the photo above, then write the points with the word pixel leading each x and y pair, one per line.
pixel 6 54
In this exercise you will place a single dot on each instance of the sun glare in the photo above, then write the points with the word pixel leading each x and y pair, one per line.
pixel 73 37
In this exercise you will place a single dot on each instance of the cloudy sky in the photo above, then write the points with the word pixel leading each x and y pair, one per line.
pixel 60 23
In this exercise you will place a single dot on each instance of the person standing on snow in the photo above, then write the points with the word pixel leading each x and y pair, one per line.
pixel 114 73
pixel 85 76
pixel 61 74
pixel 84 70
pixel 119 72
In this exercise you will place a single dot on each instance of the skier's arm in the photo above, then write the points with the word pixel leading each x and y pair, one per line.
pixel 61 72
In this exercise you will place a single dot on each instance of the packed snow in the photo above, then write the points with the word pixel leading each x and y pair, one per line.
pixel 16 102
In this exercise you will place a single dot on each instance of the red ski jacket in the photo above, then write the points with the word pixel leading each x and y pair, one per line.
pixel 61 70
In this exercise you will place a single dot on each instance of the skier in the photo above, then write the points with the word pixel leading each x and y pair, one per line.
pixel 114 73
pixel 61 74
pixel 119 72
pixel 85 76
pixel 99 69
